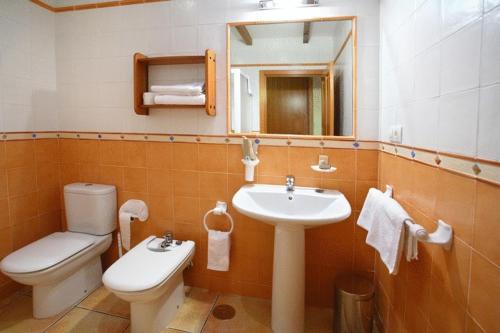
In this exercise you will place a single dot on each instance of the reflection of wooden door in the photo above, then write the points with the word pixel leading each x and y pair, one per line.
pixel 289 108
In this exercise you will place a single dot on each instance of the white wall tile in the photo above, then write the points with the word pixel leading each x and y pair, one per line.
pixel 490 56
pixel 422 125
pixel 427 67
pixel 490 4
pixel 427 25
pixel 458 13
pixel 460 59
pixel 185 12
pixel 387 119
pixel 367 123
pixel 458 122
pixel 18 117
pixel 210 12
pixel 489 123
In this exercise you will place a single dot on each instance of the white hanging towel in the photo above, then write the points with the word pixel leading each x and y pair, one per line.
pixel 385 219
pixel 128 211
pixel 219 244
pixel 374 200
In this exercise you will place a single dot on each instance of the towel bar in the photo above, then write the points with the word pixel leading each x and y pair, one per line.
pixel 442 236
pixel 220 209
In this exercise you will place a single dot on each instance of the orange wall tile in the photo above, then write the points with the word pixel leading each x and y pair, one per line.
pixel 29 195
pixel 444 291
pixel 181 181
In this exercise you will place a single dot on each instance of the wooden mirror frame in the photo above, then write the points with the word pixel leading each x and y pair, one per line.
pixel 353 20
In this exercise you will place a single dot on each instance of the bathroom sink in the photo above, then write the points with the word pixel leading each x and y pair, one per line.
pixel 290 213
pixel 304 206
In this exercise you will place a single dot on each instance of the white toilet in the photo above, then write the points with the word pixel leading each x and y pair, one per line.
pixel 150 278
pixel 64 267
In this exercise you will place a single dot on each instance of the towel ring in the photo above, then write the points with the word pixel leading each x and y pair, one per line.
pixel 220 209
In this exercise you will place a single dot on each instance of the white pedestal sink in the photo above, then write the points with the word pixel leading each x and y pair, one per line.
pixel 290 213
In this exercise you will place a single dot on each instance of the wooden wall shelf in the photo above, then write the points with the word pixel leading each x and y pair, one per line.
pixel 141 81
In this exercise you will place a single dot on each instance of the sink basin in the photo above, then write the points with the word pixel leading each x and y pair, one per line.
pixel 304 206
pixel 291 213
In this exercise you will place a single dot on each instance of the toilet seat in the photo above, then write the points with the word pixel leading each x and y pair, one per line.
pixel 141 269
pixel 46 252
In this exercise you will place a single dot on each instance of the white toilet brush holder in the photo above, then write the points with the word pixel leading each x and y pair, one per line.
pixel 250 168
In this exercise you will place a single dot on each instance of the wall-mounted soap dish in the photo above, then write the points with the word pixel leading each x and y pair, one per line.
pixel 318 169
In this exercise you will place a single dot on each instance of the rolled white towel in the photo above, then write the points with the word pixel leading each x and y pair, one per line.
pixel 180 100
pixel 189 89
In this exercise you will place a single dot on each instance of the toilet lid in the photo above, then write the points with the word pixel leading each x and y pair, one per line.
pixel 141 269
pixel 46 252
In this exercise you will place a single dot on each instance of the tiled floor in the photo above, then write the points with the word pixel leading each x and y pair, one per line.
pixel 103 312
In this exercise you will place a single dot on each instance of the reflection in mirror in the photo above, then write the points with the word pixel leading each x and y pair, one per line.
pixel 292 78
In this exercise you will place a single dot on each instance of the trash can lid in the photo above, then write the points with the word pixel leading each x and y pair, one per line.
pixel 355 285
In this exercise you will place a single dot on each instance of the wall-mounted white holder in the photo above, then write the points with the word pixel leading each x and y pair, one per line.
pixel 442 236
pixel 318 169
pixel 220 209
pixel 250 168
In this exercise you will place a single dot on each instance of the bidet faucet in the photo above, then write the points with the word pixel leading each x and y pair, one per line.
pixel 167 241
pixel 290 183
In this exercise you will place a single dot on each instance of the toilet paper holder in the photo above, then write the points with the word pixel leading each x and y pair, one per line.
pixel 220 209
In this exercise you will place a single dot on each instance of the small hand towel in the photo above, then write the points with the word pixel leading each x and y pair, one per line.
pixel 189 89
pixel 180 100
pixel 373 200
pixel 386 233
pixel 219 244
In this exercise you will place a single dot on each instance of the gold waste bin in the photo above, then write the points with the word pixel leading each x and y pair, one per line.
pixel 353 304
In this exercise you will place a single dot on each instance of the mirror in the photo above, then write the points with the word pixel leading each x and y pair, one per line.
pixel 292 78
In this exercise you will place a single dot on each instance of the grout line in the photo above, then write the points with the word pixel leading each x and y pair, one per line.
pixel 101 312
pixel 210 312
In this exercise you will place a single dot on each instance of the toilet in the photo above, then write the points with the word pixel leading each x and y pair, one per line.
pixel 150 278
pixel 64 267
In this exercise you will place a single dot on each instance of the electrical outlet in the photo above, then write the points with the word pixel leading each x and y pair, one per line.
pixel 396 135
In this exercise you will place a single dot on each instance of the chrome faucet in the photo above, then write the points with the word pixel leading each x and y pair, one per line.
pixel 167 241
pixel 290 183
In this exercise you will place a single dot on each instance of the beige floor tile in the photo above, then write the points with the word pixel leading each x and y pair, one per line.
pixel 84 321
pixel 26 291
pixel 195 310
pixel 16 315
pixel 105 301
pixel 253 315
pixel 318 320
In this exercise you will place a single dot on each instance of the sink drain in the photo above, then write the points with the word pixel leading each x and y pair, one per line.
pixel 223 312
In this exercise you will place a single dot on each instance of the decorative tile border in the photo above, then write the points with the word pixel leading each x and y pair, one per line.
pixel 475 168
pixel 488 171
pixel 93 5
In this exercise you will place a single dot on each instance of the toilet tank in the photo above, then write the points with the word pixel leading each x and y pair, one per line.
pixel 90 208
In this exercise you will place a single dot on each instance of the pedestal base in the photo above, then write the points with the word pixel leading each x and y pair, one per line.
pixel 54 298
pixel 288 279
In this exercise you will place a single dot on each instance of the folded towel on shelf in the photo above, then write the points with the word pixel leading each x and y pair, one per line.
pixel 189 89
pixel 180 100
pixel 387 230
